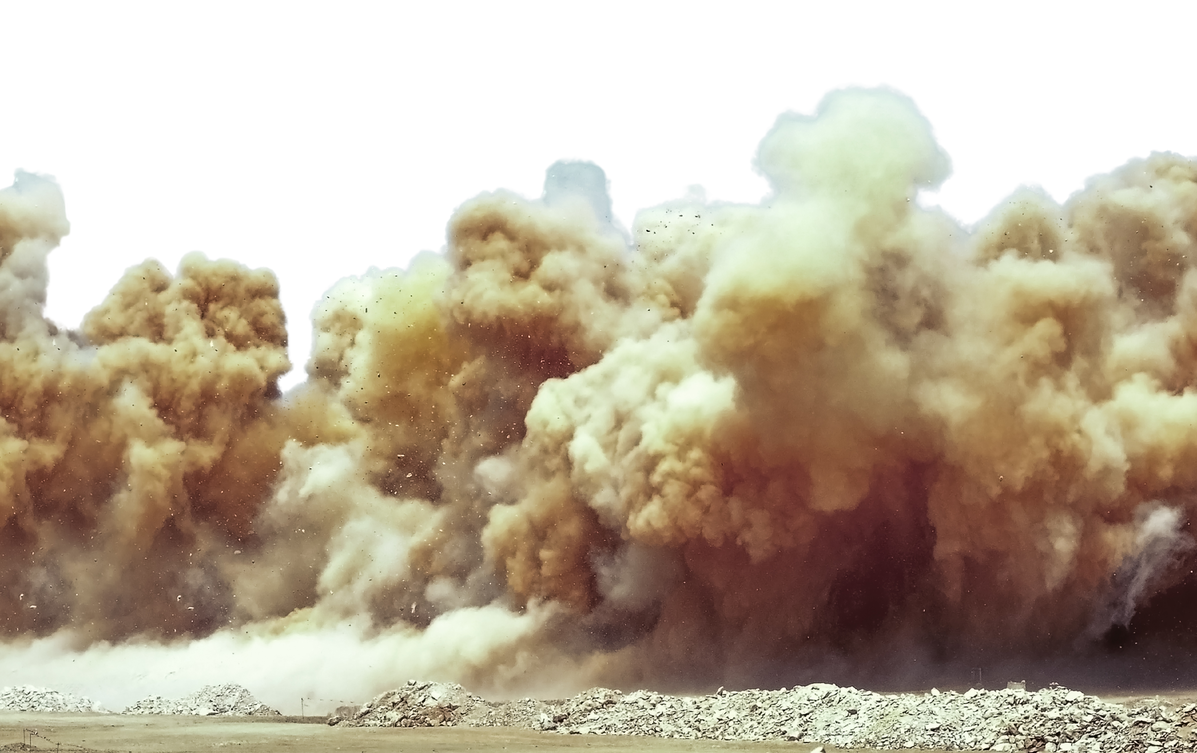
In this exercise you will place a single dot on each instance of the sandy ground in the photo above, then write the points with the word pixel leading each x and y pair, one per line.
pixel 180 734
pixel 188 734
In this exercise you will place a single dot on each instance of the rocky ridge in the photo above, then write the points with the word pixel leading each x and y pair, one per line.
pixel 210 700
pixel 30 698
pixel 1049 720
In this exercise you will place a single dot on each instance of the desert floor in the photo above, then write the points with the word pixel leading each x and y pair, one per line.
pixel 181 734
pixel 70 733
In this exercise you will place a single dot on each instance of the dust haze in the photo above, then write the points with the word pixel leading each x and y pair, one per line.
pixel 834 436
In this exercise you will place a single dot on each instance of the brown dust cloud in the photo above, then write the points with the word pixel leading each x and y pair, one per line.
pixel 833 436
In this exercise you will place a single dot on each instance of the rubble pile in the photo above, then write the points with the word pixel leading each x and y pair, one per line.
pixel 528 713
pixel 1049 720
pixel 416 704
pixel 29 698
pixel 210 700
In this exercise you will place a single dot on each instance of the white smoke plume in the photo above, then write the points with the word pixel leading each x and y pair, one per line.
pixel 731 445
pixel 1160 545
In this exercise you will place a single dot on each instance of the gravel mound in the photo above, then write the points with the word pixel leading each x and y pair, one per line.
pixel 29 698
pixel 210 700
pixel 1048 720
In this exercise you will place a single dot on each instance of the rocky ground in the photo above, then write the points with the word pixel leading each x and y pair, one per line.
pixel 1052 719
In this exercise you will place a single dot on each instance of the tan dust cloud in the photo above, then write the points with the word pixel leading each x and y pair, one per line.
pixel 723 448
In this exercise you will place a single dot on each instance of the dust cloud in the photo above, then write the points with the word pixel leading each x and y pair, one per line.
pixel 836 435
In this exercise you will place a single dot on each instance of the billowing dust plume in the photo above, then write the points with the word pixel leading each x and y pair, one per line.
pixel 739 444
